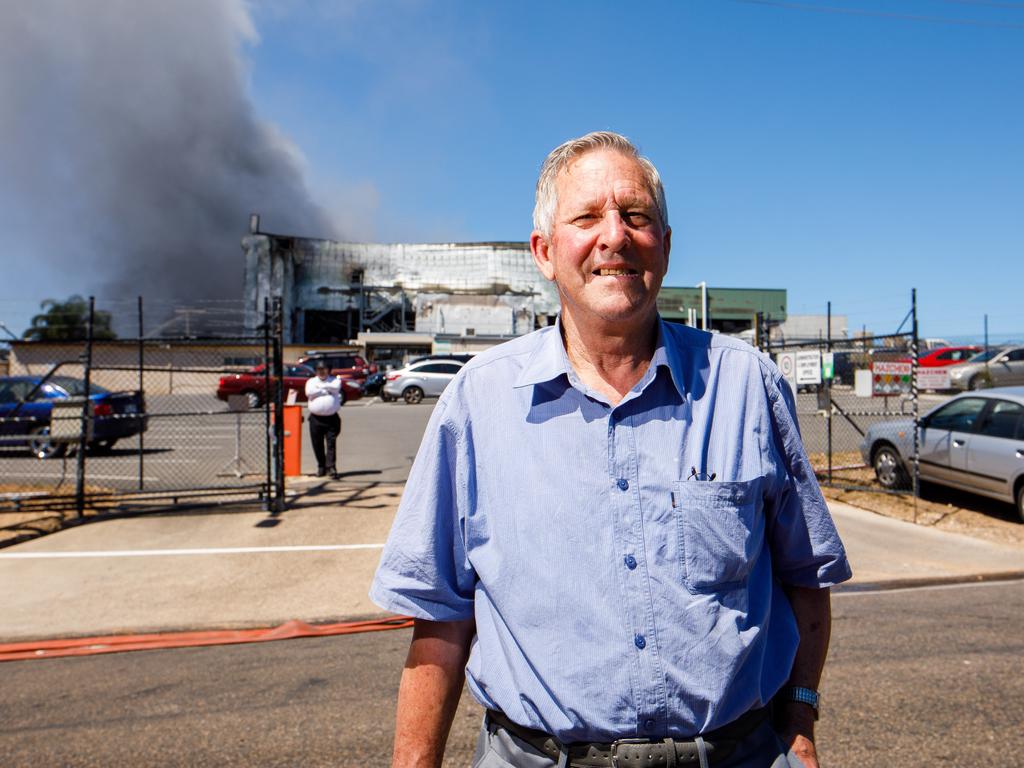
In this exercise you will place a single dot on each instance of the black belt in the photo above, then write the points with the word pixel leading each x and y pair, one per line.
pixel 639 753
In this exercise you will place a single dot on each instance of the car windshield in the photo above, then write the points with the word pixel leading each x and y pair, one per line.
pixel 76 387
pixel 984 357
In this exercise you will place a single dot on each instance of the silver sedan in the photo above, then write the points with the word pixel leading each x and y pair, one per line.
pixel 974 442
pixel 999 367
pixel 427 378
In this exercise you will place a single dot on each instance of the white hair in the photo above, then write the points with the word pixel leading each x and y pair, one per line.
pixel 564 155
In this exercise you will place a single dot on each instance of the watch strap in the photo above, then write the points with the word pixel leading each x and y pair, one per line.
pixel 804 696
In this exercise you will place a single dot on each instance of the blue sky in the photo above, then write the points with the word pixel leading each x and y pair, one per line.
pixel 846 155
pixel 842 157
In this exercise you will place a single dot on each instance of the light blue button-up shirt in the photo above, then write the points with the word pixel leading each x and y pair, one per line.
pixel 617 591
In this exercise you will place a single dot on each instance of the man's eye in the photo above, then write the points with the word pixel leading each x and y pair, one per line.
pixel 636 218
pixel 586 218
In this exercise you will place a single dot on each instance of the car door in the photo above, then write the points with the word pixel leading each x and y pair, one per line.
pixel 430 378
pixel 944 439
pixel 995 452
pixel 1012 367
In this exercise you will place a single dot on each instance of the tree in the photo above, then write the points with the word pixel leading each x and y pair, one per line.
pixel 68 321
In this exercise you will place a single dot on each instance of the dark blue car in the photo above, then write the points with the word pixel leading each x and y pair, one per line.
pixel 26 405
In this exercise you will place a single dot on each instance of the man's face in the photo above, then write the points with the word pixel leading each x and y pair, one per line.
pixel 321 372
pixel 608 249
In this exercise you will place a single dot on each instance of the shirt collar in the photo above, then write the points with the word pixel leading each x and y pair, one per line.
pixel 669 356
pixel 549 360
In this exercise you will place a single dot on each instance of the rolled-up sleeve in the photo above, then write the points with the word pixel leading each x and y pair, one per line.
pixel 424 571
pixel 805 545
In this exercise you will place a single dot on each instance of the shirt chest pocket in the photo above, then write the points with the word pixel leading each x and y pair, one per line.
pixel 721 529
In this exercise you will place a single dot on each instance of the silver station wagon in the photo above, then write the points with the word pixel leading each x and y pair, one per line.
pixel 973 442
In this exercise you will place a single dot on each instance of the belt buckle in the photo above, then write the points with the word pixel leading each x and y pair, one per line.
pixel 614 754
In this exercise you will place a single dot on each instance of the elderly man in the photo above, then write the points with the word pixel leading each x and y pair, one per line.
pixel 613 520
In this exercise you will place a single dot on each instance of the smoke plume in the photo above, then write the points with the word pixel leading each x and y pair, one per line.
pixel 130 152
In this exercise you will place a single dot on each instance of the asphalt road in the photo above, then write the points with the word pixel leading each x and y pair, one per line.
pixel 923 677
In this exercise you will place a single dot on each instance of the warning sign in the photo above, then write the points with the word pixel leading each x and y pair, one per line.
pixel 890 378
pixel 933 378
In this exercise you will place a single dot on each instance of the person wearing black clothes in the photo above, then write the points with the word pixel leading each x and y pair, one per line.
pixel 323 392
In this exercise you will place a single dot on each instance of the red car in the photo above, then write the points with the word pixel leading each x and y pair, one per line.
pixel 252 384
pixel 943 356
pixel 344 365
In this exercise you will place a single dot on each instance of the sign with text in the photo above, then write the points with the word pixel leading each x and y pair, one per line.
pixel 808 367
pixel 933 378
pixel 890 378
pixel 828 366
pixel 787 367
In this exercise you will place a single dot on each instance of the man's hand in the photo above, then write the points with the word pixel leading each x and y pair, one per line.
pixel 795 724
pixel 430 690
pixel 794 720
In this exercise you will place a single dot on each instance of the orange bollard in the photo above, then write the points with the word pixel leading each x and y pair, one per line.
pixel 292 440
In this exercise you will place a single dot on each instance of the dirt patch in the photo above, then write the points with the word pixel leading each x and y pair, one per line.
pixel 939 507
pixel 25 513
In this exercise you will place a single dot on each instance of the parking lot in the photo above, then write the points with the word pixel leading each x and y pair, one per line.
pixel 193 441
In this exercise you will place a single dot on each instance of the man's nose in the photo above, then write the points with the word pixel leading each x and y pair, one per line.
pixel 614 235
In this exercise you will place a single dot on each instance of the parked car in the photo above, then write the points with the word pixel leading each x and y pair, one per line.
pixel 462 358
pixel 419 380
pixel 974 442
pixel 345 365
pixel 942 357
pixel 253 384
pixel 374 384
pixel 999 367
pixel 26 407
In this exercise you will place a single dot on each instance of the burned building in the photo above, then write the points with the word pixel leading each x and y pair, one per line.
pixel 334 291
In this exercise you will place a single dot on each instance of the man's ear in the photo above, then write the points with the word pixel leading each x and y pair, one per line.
pixel 667 245
pixel 541 251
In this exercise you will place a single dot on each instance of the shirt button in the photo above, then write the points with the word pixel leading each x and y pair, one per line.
pixel 649 724
pixel 623 484
pixel 640 642
pixel 630 562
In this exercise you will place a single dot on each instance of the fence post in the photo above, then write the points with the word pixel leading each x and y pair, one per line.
pixel 913 395
pixel 278 391
pixel 267 405
pixel 142 400
pixel 828 391
pixel 83 432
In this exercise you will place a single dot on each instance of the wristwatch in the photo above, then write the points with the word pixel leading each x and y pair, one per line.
pixel 803 695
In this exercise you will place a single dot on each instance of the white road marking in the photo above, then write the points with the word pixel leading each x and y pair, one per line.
pixel 172 552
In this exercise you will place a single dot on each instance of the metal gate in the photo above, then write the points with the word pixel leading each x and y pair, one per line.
pixel 144 423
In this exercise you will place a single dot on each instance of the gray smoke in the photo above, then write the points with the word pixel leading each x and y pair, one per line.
pixel 130 153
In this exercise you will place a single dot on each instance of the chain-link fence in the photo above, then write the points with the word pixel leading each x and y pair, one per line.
pixel 154 421
pixel 858 403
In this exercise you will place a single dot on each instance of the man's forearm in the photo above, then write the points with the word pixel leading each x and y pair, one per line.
pixel 430 690
pixel 813 611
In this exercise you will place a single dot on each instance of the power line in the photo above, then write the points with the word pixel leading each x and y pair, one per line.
pixel 883 14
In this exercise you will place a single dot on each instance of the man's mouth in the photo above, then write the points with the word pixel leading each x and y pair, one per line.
pixel 614 272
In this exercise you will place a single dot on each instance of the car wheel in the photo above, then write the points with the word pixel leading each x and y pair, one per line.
pixel 42 446
pixel 889 468
pixel 1020 501
pixel 979 381
pixel 253 399
pixel 341 397
pixel 412 395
